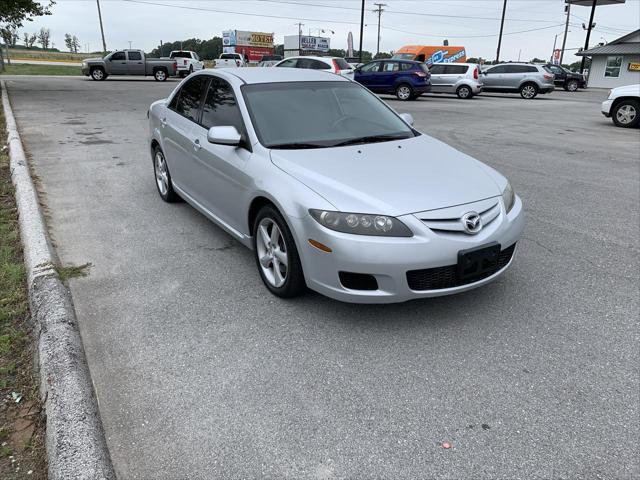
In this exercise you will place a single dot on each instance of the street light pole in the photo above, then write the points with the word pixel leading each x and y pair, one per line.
pixel 361 30
pixel 104 44
pixel 586 42
pixel 504 9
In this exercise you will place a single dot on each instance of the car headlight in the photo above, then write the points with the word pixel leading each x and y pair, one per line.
pixel 508 197
pixel 361 223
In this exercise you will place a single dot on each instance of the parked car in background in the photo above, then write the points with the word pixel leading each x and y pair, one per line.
pixel 623 106
pixel 525 78
pixel 565 78
pixel 270 58
pixel 331 188
pixel 230 60
pixel 268 63
pixel 128 62
pixel 187 62
pixel 405 79
pixel 330 64
pixel 463 79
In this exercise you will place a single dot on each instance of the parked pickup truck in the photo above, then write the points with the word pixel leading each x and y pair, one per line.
pixel 188 62
pixel 128 62
pixel 230 60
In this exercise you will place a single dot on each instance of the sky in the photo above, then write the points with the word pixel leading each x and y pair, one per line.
pixel 530 25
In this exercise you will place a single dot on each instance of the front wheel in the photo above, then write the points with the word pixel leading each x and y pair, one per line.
pixel 464 92
pixel 626 114
pixel 571 86
pixel 98 74
pixel 404 92
pixel 528 91
pixel 276 254
pixel 163 177
pixel 160 75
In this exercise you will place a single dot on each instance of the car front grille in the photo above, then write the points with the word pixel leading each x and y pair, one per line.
pixel 447 277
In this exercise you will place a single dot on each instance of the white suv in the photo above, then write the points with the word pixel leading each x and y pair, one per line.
pixel 623 106
pixel 187 62
pixel 463 79
pixel 331 64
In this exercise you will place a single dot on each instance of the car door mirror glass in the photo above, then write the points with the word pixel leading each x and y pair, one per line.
pixel 226 135
pixel 408 118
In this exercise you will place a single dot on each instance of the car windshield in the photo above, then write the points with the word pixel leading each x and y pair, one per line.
pixel 320 114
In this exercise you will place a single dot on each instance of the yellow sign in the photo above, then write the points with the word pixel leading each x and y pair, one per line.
pixel 259 39
pixel 634 67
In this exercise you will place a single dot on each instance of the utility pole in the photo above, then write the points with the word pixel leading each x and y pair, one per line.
pixel 567 8
pixel 104 44
pixel 130 44
pixel 379 10
pixel 361 30
pixel 586 42
pixel 504 10
pixel 300 37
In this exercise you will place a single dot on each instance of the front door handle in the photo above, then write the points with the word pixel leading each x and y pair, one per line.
pixel 196 145
pixel 163 121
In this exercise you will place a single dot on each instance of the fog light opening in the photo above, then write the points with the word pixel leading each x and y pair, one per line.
pixel 358 281
pixel 320 246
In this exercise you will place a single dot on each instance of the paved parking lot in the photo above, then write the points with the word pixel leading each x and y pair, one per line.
pixel 200 373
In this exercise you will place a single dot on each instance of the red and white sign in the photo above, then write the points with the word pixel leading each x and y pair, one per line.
pixel 556 56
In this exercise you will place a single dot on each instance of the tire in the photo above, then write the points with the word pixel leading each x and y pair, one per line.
pixel 571 86
pixel 283 278
pixel 160 75
pixel 98 74
pixel 626 113
pixel 190 70
pixel 163 177
pixel 182 74
pixel 529 91
pixel 464 92
pixel 404 92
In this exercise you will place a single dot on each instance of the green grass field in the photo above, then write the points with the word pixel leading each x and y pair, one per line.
pixel 51 56
pixel 26 69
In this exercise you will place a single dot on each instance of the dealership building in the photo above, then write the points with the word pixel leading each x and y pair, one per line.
pixel 615 64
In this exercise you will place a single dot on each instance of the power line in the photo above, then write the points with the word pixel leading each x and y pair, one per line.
pixel 439 35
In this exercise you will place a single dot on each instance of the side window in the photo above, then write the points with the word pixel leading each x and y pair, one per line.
pixel 290 63
pixel 510 69
pixel 556 70
pixel 318 65
pixel 118 56
pixel 187 102
pixel 530 69
pixel 406 66
pixel 220 107
pixel 437 69
pixel 370 67
pixel 390 67
pixel 456 69
pixel 134 55
pixel 613 67
pixel 498 69
pixel 195 56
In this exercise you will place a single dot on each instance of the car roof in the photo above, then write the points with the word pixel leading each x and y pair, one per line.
pixel 312 57
pixel 250 75
pixel 454 63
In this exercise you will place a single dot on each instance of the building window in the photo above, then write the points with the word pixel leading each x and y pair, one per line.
pixel 613 67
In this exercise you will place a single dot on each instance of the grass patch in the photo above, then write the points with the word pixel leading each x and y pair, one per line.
pixel 72 271
pixel 24 53
pixel 26 69
pixel 22 431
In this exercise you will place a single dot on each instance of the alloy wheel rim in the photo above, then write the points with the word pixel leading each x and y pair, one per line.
pixel 162 176
pixel 160 75
pixel 272 252
pixel 528 92
pixel 626 114
pixel 573 86
pixel 464 92
pixel 97 73
pixel 403 92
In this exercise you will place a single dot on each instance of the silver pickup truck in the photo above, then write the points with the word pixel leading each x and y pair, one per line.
pixel 129 62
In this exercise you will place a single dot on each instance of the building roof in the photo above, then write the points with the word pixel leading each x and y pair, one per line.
pixel 619 46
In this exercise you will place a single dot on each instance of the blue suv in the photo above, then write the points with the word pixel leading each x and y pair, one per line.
pixel 406 79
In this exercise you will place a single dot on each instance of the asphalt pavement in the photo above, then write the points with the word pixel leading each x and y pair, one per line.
pixel 201 373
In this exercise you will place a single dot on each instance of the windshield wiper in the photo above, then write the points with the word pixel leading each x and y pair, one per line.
pixel 370 139
pixel 294 146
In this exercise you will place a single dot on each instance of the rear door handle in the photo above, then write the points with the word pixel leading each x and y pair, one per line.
pixel 196 145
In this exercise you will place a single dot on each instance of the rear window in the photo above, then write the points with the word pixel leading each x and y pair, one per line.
pixel 229 56
pixel 424 68
pixel 342 63
pixel 180 55
pixel 135 56
pixel 437 69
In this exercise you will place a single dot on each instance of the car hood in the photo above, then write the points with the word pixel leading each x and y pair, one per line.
pixel 97 59
pixel 392 178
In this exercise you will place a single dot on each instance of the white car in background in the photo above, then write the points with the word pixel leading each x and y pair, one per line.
pixel 330 64
pixel 187 62
pixel 623 106
pixel 230 60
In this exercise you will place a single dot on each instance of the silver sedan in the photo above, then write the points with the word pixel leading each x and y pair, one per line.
pixel 331 188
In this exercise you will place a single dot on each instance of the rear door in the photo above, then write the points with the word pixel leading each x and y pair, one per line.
pixel 388 75
pixel 559 73
pixel 438 78
pixel 135 63
pixel 514 75
pixel 453 74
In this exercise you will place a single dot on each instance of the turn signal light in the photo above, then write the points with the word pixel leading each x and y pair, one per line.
pixel 319 246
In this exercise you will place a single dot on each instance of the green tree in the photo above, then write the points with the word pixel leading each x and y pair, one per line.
pixel 14 12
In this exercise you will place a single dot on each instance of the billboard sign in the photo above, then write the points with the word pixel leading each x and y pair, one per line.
pixel 244 38
pixel 556 56
pixel 316 44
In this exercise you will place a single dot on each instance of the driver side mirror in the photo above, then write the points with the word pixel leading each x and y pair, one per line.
pixel 408 118
pixel 227 135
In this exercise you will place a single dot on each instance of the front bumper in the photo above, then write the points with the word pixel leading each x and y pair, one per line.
pixel 85 70
pixel 606 108
pixel 389 259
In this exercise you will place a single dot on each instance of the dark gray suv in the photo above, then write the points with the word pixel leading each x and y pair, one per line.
pixel 524 78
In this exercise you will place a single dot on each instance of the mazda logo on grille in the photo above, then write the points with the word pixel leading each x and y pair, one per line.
pixel 472 223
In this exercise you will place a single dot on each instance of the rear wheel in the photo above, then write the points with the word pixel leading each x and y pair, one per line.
pixel 571 86
pixel 528 91
pixel 464 91
pixel 404 92
pixel 626 113
pixel 97 73
pixel 160 75
pixel 276 254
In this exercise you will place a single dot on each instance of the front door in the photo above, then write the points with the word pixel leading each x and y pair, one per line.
pixel 117 64
pixel 367 75
pixel 494 77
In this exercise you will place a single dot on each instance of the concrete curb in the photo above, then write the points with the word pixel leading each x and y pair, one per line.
pixel 75 441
